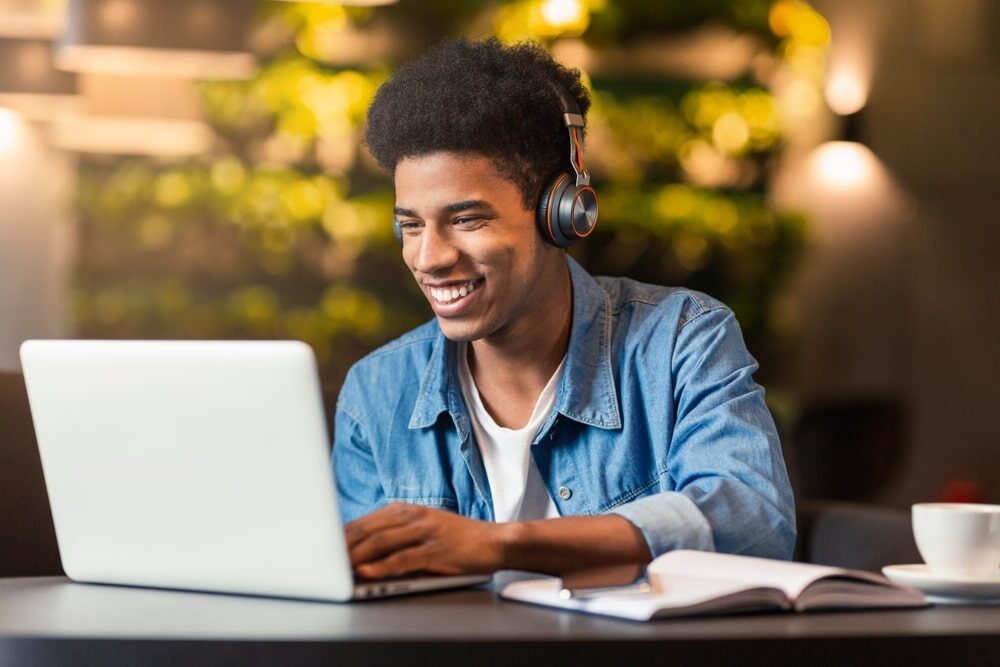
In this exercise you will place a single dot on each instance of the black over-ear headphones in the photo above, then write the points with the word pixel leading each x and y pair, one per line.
pixel 567 209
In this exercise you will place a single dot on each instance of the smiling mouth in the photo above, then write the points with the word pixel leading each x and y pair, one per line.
pixel 453 293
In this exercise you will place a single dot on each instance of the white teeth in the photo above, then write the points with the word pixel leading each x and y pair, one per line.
pixel 449 294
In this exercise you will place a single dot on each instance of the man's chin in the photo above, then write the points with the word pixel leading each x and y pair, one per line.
pixel 460 332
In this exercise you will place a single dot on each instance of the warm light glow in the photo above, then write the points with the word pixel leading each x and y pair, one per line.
pixel 11 126
pixel 133 136
pixel 845 93
pixel 849 71
pixel 40 107
pixel 843 165
pixel 136 116
pixel 141 97
pixel 32 19
pixel 199 39
pixel 560 13
pixel 353 3
pixel 534 19
pixel 155 62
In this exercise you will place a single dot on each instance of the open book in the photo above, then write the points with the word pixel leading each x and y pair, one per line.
pixel 693 583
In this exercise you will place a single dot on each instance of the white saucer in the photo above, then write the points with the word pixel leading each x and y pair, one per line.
pixel 946 590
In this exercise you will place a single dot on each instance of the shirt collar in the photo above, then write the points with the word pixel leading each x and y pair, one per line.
pixel 586 389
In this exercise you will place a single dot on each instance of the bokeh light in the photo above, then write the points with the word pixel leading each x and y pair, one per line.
pixel 844 165
pixel 846 91
pixel 11 126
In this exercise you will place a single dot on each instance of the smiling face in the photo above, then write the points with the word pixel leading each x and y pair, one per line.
pixel 474 250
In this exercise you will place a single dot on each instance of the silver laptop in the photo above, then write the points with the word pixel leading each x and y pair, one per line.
pixel 194 465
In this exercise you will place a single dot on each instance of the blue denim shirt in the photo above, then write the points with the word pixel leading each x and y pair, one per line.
pixel 657 419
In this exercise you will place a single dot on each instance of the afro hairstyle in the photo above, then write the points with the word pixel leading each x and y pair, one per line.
pixel 480 97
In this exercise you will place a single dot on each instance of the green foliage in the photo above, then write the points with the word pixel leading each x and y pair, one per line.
pixel 284 230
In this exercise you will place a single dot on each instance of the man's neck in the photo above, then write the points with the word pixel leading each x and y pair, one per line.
pixel 511 368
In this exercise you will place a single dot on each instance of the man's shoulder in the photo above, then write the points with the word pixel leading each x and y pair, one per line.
pixel 632 300
pixel 415 342
pixel 411 349
pixel 396 363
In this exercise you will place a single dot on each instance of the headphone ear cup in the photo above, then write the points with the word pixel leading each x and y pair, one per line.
pixel 542 212
pixel 547 215
pixel 397 231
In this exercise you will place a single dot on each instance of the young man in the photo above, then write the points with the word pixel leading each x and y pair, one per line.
pixel 544 420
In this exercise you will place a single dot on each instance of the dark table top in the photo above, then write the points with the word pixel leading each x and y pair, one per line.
pixel 50 620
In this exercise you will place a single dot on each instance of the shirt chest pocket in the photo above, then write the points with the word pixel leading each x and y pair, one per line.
pixel 421 475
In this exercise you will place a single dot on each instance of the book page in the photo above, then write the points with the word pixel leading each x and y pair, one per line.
pixel 792 578
pixel 675 596
pixel 841 593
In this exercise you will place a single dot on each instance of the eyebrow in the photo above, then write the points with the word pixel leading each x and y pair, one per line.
pixel 448 208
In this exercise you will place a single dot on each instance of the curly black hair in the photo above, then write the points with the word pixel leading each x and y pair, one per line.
pixel 479 97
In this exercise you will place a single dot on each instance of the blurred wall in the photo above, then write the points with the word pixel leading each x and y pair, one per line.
pixel 36 237
pixel 904 299
pixel 898 298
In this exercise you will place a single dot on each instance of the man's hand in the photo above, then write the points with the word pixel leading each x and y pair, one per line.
pixel 402 539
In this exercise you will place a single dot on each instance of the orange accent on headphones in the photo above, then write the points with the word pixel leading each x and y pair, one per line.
pixel 579 151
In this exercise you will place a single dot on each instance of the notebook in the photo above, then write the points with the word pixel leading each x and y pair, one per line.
pixel 699 583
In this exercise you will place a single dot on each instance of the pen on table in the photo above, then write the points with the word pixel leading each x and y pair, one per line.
pixel 598 582
pixel 638 588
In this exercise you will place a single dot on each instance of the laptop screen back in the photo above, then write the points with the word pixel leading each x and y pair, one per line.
pixel 189 464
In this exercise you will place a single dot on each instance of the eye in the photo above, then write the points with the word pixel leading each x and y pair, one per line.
pixel 468 220
pixel 409 225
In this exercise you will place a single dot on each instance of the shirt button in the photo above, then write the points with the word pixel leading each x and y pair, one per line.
pixel 565 493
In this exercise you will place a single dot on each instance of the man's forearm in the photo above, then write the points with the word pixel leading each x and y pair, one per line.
pixel 557 546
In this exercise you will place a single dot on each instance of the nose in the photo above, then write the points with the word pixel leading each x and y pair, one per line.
pixel 435 250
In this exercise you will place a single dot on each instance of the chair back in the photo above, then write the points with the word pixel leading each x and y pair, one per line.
pixel 27 537
pixel 854 535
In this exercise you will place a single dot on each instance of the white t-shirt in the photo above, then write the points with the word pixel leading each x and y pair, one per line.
pixel 515 483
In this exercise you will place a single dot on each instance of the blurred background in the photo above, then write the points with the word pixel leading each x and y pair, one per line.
pixel 193 169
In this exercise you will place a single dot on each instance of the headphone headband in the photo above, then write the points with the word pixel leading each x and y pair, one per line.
pixel 573 119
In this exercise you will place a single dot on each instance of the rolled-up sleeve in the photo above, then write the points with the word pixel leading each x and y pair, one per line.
pixel 668 521
pixel 729 488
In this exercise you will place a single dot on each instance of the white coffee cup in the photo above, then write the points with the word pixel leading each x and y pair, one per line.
pixel 958 539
